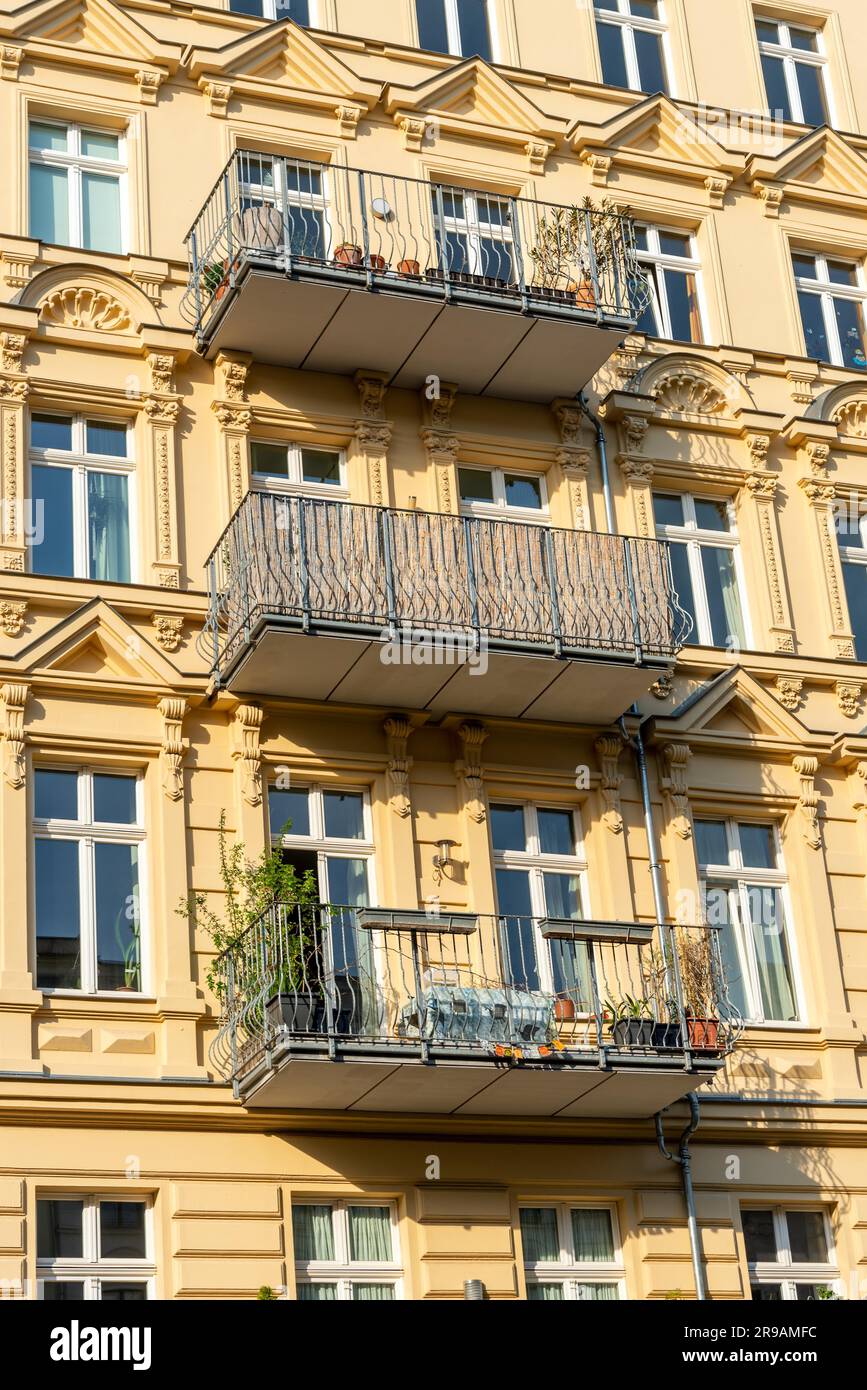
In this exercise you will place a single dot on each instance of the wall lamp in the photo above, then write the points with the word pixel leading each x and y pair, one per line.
pixel 442 859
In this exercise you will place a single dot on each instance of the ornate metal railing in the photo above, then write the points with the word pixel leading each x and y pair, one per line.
pixel 377 571
pixel 332 978
pixel 392 233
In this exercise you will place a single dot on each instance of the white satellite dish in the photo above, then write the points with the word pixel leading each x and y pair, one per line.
pixel 381 208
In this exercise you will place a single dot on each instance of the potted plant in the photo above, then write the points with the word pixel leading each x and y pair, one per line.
pixel 215 279
pixel 409 267
pixel 347 254
pixel 564 1009
pixel 632 1021
pixel 127 934
pixel 564 256
pixel 656 978
pixel 698 983
pixel 377 262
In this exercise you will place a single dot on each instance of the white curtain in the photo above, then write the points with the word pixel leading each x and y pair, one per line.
pixel 539 1234
pixel 313 1231
pixel 370 1235
pixel 592 1235
pixel 373 1293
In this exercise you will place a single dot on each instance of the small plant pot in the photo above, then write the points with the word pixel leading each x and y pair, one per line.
pixel 667 1036
pixel 409 267
pixel 703 1034
pixel 584 295
pixel 377 262
pixel 564 1011
pixel 296 1013
pixel 348 255
pixel 633 1032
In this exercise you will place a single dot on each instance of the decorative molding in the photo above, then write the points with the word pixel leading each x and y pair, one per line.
pixel 772 198
pixel 758 447
pixel 217 94
pixel 608 748
pixel 10 62
pixel 849 698
pixel 674 784
pixel 469 770
pixel 599 166
pixel 801 385
pixel 13 614
pixel 414 131
pixel 14 699
pixel 633 433
pixel 398 732
pixel 686 391
pixel 86 308
pixel 372 388
pixel 662 689
pixel 232 370
pixel 347 120
pixel 149 83
pixel 821 497
pixel 12 347
pixel 174 747
pixel 851 417
pixel 789 692
pixel 168 630
pixel 717 187
pixel 808 800
pixel 537 152
pixel 246 730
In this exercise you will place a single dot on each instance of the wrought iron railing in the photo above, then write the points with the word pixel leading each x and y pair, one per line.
pixel 377 571
pixel 407 235
pixel 335 979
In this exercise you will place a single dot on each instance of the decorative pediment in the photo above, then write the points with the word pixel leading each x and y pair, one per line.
pixel 846 407
pixel 656 136
pixel 284 63
pixel 95 28
pixel 684 386
pixel 821 167
pixel 735 709
pixel 83 300
pixel 472 100
pixel 96 643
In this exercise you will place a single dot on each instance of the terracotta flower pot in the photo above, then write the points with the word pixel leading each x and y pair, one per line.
pixel 348 254
pixel 377 262
pixel 703 1034
pixel 564 1011
pixel 409 267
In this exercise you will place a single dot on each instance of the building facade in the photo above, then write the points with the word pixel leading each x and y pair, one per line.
pixel 308 541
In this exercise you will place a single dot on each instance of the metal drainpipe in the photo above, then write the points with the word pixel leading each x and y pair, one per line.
pixel 660 907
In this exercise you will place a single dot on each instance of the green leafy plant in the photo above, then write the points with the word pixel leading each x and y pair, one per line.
pixel 628 1007
pixel 697 976
pixel 825 1294
pixel 562 253
pixel 213 276
pixel 267 1295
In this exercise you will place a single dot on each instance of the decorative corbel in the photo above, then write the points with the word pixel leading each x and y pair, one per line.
pixel 537 152
pixel 675 786
pixel 771 196
pixel 789 692
pixel 663 687
pixel 599 166
pixel 414 129
pixel 10 62
pixel 397 732
pixel 234 418
pixel 246 730
pixel 849 695
pixel 347 120
pixel 469 769
pixel 801 381
pixel 440 444
pixel 217 94
pixel 13 613
pixel 168 630
pixel 149 83
pixel 373 433
pixel 174 747
pixel 574 459
pixel 859 800
pixel 14 699
pixel 806 768
pixel 162 408
pixel 716 187
pixel 608 748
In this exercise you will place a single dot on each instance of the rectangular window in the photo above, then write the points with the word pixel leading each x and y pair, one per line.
pixel 284 205
pixel 705 562
pixel 831 294
pixel 77 186
pixel 540 871
pixel 88 851
pixel 296 467
pixel 81 484
pixel 94 1248
pixel 744 895
pixel 474 235
pixel 301 11
pixel 461 27
pixel 632 38
pixel 790 1253
pixel 484 491
pixel 571 1253
pixel 795 69
pixel 346 1251
pixel 853 553
pixel 670 260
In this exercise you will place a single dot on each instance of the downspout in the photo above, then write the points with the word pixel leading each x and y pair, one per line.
pixel 636 743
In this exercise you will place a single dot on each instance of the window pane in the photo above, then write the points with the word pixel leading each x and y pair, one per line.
pixel 476 485
pixel 299 10
pixel 812 88
pixel 723 601
pixel 767 32
pixel 475 34
pixel 645 9
pixel 711 845
pixel 650 321
pixel 539 1235
pixel 100 212
pixel 344 815
pixel 313 1233
pixel 507 828
pixel 545 1293
pixel 682 290
pixel 44 136
pixel 808 1293
pixel 562 897
pixel 108 526
pixel 651 68
pixel 757 846
pixel 49 204
pixel 807 40
pixel 711 515
pixel 804 265
pixel 269 460
pixel 432 31
pixel 597 1293
pixel 675 244
pixel 51 432
pixel 771 949
pixel 720 909
pixel 373 1293
pixel 855 577
pixel 317 1293
pixel 58 928
pixel 254 7
pixel 320 466
pixel 592 1235
pixel 759 1236
pixel 118 946
pixel 683 588
pixel 523 492
pixel 519 943
pixel 114 799
pixel 106 439
pixel 347 884
pixel 612 54
pixel 667 509
pixel 56 795
pixel 53 547
pixel 123 1293
pixel 288 811
pixel 850 323
pixel 807 1241
pixel 813 320
pixel 370 1234
pixel 779 105
pixel 122 1231
pixel 63 1291
pixel 767 1293
pixel 842 273
pixel 59 1225
pixel 556 832
pixel 606 4
pixel 100 144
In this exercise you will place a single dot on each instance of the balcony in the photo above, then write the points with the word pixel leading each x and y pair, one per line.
pixel 437 612
pixel 378 1010
pixel 325 268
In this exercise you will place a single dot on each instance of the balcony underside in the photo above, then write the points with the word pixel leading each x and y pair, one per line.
pixel 559 1090
pixel 344 670
pixel 410 331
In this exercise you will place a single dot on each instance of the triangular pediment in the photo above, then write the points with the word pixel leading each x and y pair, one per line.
pixel 92 26
pixel 473 93
pixel 736 708
pixel 97 643
pixel 657 133
pixel 288 59
pixel 820 164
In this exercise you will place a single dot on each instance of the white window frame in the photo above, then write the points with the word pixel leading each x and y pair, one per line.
pixel 536 864
pixel 87 832
pixel 784 1271
pixel 627 22
pixel 276 196
pixel 294 484
pixel 569 1272
pixel 79 462
pixel 694 537
pixel 78 164
pixel 472 226
pixel 791 56
pixel 500 507
pixel 453 28
pixel 270 12
pixel 324 847
pixel 343 1271
pixel 827 291
pixel 90 1268
pixel 737 877
pixel 654 257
